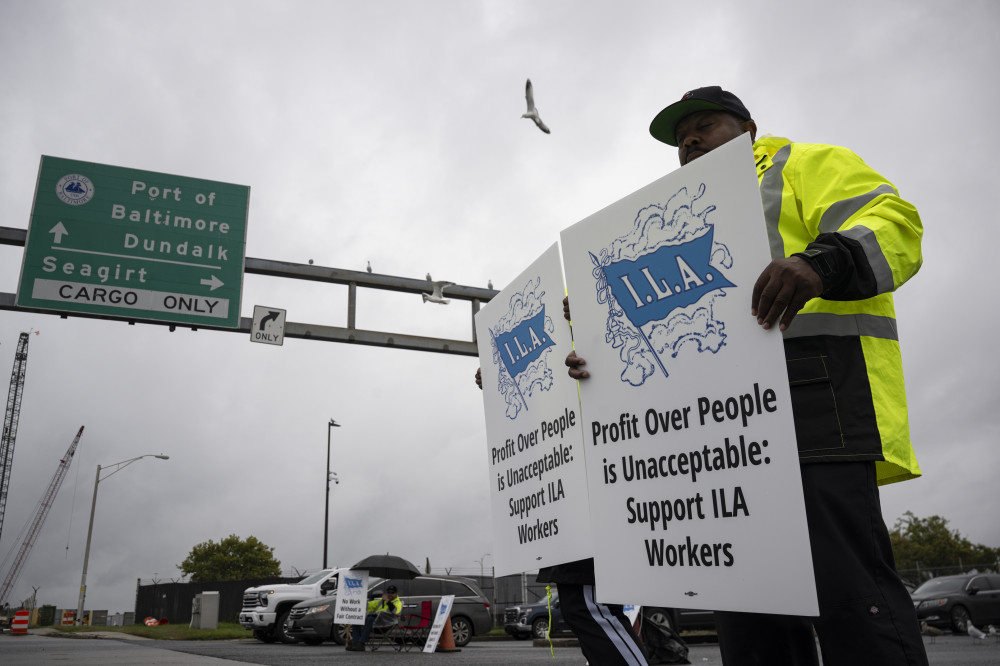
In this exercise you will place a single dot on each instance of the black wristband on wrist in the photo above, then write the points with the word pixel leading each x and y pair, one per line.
pixel 820 262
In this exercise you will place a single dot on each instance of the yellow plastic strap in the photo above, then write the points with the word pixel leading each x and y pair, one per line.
pixel 548 631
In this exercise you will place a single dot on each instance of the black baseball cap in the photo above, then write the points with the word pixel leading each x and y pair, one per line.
pixel 664 125
pixel 391 588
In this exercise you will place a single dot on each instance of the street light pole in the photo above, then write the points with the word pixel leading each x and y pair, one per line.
pixel 326 515
pixel 482 574
pixel 90 530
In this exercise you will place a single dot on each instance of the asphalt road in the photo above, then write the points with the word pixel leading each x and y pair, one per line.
pixel 35 650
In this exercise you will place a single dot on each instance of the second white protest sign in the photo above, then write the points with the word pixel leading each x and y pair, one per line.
pixel 538 482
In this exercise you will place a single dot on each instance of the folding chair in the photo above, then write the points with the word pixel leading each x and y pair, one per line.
pixel 416 628
pixel 386 629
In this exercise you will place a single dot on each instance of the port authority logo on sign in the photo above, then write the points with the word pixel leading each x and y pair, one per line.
pixel 134 244
pixel 659 283
pixel 75 189
pixel 268 325
pixel 520 344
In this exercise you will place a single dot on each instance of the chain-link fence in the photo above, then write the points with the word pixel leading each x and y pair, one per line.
pixel 920 574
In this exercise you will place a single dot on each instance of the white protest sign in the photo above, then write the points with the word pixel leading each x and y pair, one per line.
pixel 352 597
pixel 695 489
pixel 444 610
pixel 538 480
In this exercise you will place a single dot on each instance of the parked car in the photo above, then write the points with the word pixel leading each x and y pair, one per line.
pixel 956 601
pixel 532 620
pixel 266 608
pixel 689 619
pixel 311 621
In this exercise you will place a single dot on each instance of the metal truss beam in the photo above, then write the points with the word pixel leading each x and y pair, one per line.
pixel 351 279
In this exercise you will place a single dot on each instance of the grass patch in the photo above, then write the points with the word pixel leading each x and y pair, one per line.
pixel 227 631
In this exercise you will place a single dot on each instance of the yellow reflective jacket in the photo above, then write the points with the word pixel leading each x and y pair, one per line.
pixel 824 204
pixel 393 606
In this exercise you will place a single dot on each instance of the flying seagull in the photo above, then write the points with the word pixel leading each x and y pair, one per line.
pixel 532 111
pixel 438 295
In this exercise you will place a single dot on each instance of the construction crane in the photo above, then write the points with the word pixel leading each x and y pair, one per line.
pixel 34 525
pixel 10 420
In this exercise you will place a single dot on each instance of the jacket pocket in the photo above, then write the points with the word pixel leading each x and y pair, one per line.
pixel 814 406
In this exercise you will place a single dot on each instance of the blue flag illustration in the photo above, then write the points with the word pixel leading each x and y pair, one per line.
pixel 523 344
pixel 674 276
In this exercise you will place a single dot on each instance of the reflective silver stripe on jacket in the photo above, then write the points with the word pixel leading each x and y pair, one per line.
pixel 876 258
pixel 838 213
pixel 771 186
pixel 808 324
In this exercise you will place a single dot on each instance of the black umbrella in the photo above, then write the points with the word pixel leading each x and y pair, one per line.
pixel 388 566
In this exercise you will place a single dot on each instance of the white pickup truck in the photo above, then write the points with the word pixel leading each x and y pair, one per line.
pixel 265 608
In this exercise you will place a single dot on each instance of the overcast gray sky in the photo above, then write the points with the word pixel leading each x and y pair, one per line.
pixel 389 132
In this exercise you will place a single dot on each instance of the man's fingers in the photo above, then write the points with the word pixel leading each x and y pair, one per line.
pixel 790 313
pixel 767 300
pixel 802 296
pixel 566 308
pixel 782 289
pixel 573 362
pixel 773 305
pixel 758 288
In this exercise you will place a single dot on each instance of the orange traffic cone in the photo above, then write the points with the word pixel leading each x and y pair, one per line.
pixel 19 625
pixel 447 641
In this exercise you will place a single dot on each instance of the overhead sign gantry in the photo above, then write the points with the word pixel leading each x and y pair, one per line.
pixel 108 240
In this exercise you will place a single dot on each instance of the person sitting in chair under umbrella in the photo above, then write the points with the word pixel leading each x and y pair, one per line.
pixel 389 603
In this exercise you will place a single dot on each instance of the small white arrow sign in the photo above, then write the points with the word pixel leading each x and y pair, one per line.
pixel 59 230
pixel 212 282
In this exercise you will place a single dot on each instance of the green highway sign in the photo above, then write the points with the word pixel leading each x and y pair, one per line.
pixel 113 241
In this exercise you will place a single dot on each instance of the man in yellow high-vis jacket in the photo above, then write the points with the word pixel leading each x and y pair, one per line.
pixel 842 240
pixel 389 603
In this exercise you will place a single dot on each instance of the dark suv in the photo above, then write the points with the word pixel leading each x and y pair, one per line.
pixel 312 621
pixel 956 601
pixel 532 620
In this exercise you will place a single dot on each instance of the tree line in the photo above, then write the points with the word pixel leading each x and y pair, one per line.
pixel 923 547
pixel 927 547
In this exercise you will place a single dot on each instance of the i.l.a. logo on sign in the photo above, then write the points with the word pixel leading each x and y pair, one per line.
pixel 520 343
pixel 659 282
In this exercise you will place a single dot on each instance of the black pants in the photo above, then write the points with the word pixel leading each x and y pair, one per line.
pixel 359 634
pixel 605 634
pixel 866 615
